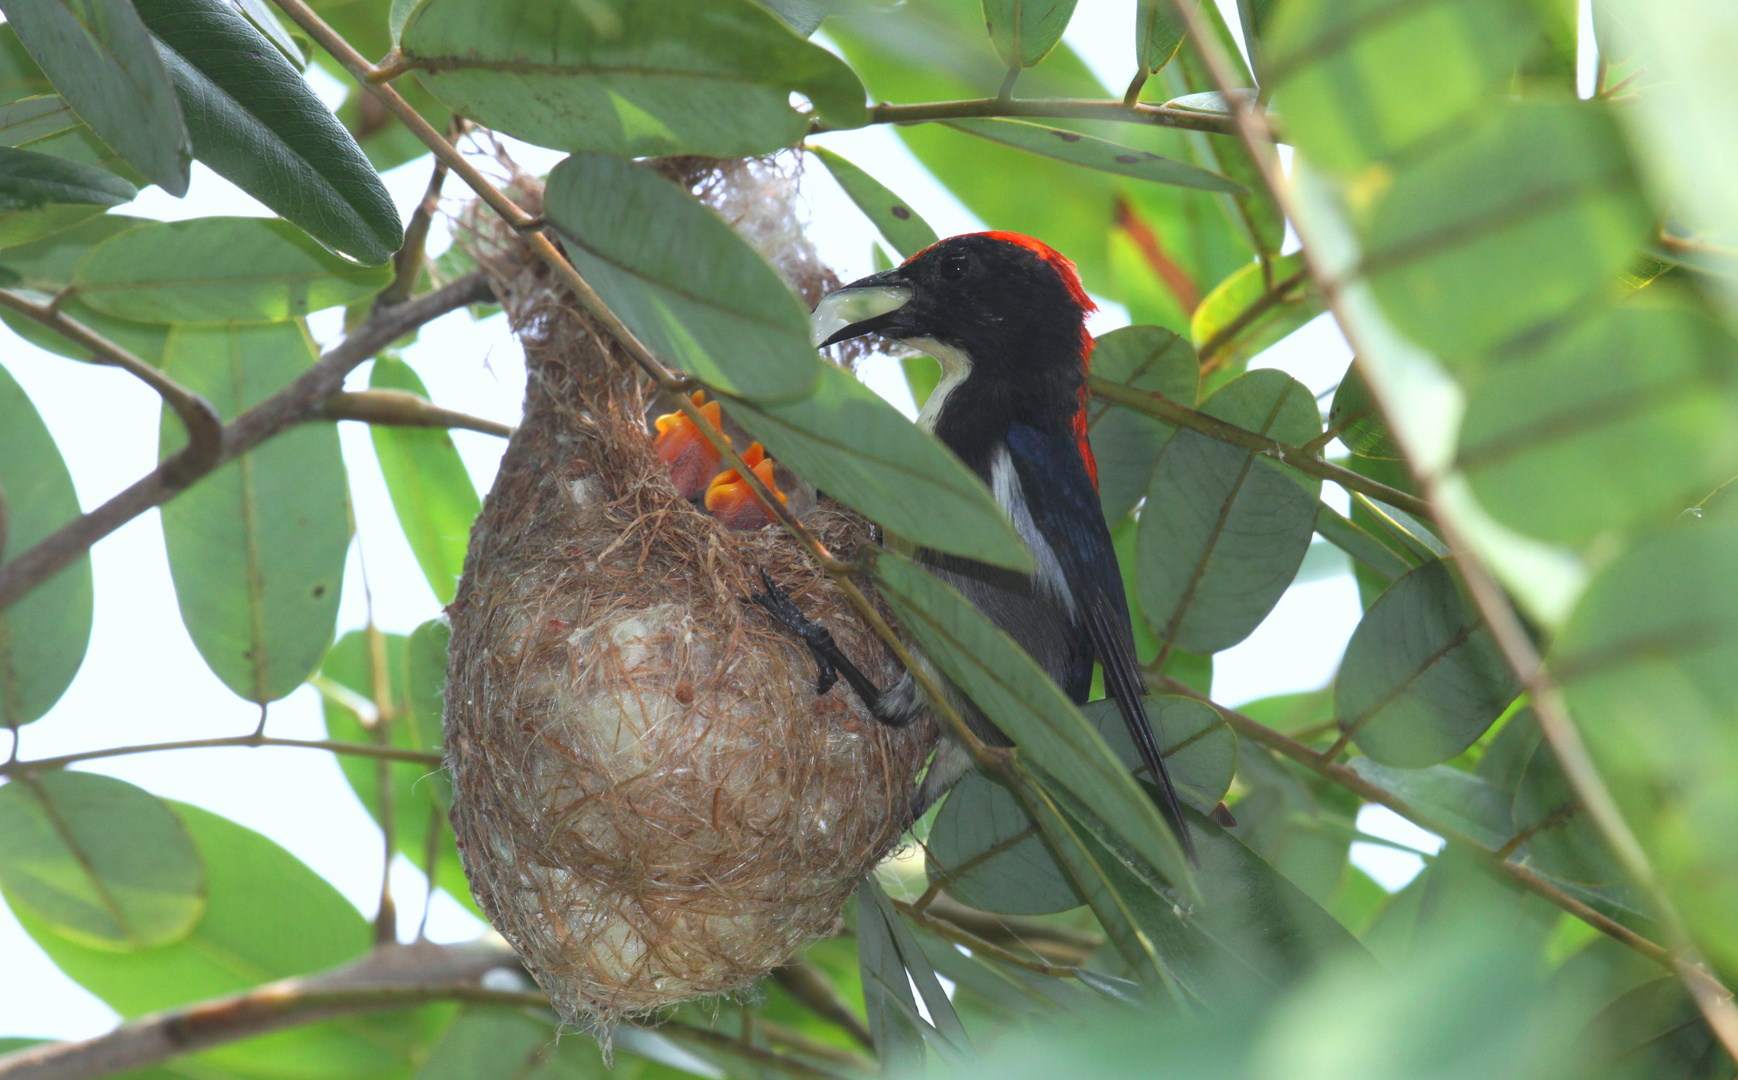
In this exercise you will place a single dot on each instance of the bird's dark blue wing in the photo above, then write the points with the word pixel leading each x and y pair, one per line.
pixel 1064 506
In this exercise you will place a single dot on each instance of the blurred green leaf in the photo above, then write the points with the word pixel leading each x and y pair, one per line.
pixel 414 676
pixel 1363 81
pixel 1127 443
pixel 1656 1031
pixel 31 118
pixel 1224 530
pixel 101 59
pixel 1562 839
pixel 1296 821
pixel 692 290
pixel 1024 703
pixel 1627 418
pixel 256 548
pixel 1095 153
pixel 219 269
pixel 893 216
pixel 43 636
pixel 1158 32
pixel 498 1044
pixel 105 864
pixel 681 77
pixel 1024 31
pixel 894 1022
pixel 41 195
pixel 944 1029
pixel 267 917
pixel 1199 747
pixel 1422 678
pixel 257 123
pixel 1370 552
pixel 1649 662
pixel 431 491
pixel 1475 806
pixel 1529 212
pixel 1248 311
pixel 860 450
pixel 1507 754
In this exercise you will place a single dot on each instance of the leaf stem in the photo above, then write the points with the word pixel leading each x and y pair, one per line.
pixel 388 753
pixel 1181 415
pixel 408 263
pixel 204 427
pixel 1044 108
pixel 400 408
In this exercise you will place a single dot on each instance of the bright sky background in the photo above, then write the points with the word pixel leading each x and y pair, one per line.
pixel 142 680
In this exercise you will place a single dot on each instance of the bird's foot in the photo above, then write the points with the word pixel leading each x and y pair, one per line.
pixel 817 637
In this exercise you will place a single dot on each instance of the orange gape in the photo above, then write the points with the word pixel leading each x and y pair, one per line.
pixel 732 501
pixel 684 451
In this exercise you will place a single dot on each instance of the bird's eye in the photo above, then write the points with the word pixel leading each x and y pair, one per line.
pixel 955 267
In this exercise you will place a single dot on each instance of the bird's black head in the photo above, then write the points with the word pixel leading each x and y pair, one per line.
pixel 998 309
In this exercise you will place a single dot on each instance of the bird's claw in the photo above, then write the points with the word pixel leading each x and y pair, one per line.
pixel 813 634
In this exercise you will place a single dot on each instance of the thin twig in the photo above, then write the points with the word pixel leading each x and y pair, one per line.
pixel 400 408
pixel 292 405
pixel 204 426
pixel 407 264
pixel 1208 355
pixel 815 992
pixel 1044 108
pixel 958 935
pixel 1181 415
pixel 367 750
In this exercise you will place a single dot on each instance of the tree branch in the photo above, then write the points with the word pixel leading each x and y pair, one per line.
pixel 1165 409
pixel 385 753
pixel 204 427
pixel 815 992
pixel 292 405
pixel 400 408
pixel 391 977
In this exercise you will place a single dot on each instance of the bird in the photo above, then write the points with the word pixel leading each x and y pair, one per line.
pixel 1005 316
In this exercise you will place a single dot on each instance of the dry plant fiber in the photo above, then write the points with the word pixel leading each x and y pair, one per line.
pixel 651 803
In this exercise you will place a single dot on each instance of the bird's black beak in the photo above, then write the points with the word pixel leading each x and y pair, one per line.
pixel 866 306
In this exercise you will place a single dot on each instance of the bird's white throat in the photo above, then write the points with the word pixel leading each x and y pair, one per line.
pixel 955 366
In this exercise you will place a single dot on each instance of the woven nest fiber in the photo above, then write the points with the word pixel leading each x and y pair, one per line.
pixel 651 803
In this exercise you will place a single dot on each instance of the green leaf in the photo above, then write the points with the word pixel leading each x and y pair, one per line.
pixel 43 636
pixel 258 123
pixel 101 59
pixel 1649 663
pixel 1224 530
pixel 894 1022
pixel 256 548
pixel 1297 821
pixel 1422 678
pixel 1370 551
pixel 802 16
pixel 893 216
pixel 991 854
pixel 707 77
pixel 1361 427
pixel 1223 319
pixel 1010 869
pixel 851 444
pixel 1475 806
pixel 267 917
pixel 45 268
pixel 1656 1029
pixel 1024 31
pixel 105 864
pixel 1028 707
pixel 430 489
pixel 1527 214
pixel 681 279
pixel 266 21
pixel 40 195
pixel 944 1029
pixel 219 269
pixel 1563 840
pixel 517 1044
pixel 415 678
pixel 1158 32
pixel 1126 443
pixel 29 119
pixel 1095 153
pixel 1363 81
pixel 1627 418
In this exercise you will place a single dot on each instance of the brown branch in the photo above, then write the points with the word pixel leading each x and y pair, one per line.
pixel 815 992
pixel 292 405
pixel 400 408
pixel 1175 277
pixel 368 750
pixel 392 977
pixel 408 263
pixel 204 427
pixel 1165 409
pixel 1045 108
pixel 989 758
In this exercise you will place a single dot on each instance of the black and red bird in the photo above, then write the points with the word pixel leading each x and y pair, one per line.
pixel 1005 315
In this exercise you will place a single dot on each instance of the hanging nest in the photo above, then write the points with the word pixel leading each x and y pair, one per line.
pixel 651 803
